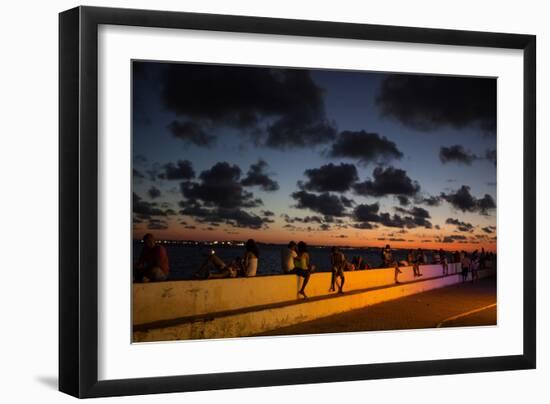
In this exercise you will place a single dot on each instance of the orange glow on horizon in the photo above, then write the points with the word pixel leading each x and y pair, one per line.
pixel 353 238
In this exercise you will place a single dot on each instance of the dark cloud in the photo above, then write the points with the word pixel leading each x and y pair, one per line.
pixel 430 200
pixel 218 196
pixel 279 107
pixel 491 155
pixel 348 203
pixel 365 147
pixel 154 192
pixel 367 214
pixel 137 174
pixel 306 219
pixel 232 216
pixel 258 177
pixel 461 226
pixel 364 226
pixel 486 204
pixel 489 229
pixel 240 218
pixel 403 200
pixel 268 213
pixel 326 204
pixel 453 238
pixel 388 181
pixel 331 177
pixel 220 186
pixel 416 217
pixel 191 133
pixel 456 153
pixel 393 221
pixel 464 201
pixel 182 170
pixel 429 102
pixel 157 224
pixel 145 210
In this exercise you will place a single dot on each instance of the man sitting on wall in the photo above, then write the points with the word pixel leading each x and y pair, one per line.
pixel 390 262
pixel 152 265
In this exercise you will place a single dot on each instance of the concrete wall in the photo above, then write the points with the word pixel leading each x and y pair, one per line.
pixel 264 319
pixel 176 299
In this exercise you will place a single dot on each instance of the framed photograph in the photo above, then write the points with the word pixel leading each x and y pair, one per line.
pixel 251 201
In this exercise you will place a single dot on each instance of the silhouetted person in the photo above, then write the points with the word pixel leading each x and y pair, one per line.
pixel 436 257
pixel 337 264
pixel 444 261
pixel 466 263
pixel 152 265
pixel 411 260
pixel 456 257
pixel 390 262
pixel 288 255
pixel 474 266
pixel 420 260
pixel 302 266
pixel 248 266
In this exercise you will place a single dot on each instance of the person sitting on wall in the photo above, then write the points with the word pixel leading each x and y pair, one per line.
pixel 390 262
pixel 338 263
pixel 288 255
pixel 251 258
pixel 248 266
pixel 153 264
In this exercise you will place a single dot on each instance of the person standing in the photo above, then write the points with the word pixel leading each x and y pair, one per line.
pixel 436 257
pixel 302 267
pixel 411 260
pixel 420 260
pixel 444 262
pixel 466 263
pixel 338 262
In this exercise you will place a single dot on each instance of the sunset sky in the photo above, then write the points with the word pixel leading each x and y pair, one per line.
pixel 325 156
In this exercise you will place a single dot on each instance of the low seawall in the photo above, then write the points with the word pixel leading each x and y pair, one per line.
pixel 259 320
pixel 161 301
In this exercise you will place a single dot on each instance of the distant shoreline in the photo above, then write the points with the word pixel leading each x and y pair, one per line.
pixel 239 243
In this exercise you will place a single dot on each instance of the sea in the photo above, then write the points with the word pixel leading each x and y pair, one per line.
pixel 185 259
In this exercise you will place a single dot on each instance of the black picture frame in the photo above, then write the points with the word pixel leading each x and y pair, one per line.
pixel 78 206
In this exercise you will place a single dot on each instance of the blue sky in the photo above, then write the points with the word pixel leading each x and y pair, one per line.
pixel 341 101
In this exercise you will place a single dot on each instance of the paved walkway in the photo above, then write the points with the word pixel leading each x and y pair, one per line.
pixel 444 307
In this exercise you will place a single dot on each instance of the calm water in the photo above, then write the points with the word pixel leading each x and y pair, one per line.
pixel 185 259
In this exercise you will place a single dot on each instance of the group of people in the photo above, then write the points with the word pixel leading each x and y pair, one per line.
pixel 419 257
pixel 153 263
pixel 472 263
pixel 295 259
pixel 240 266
